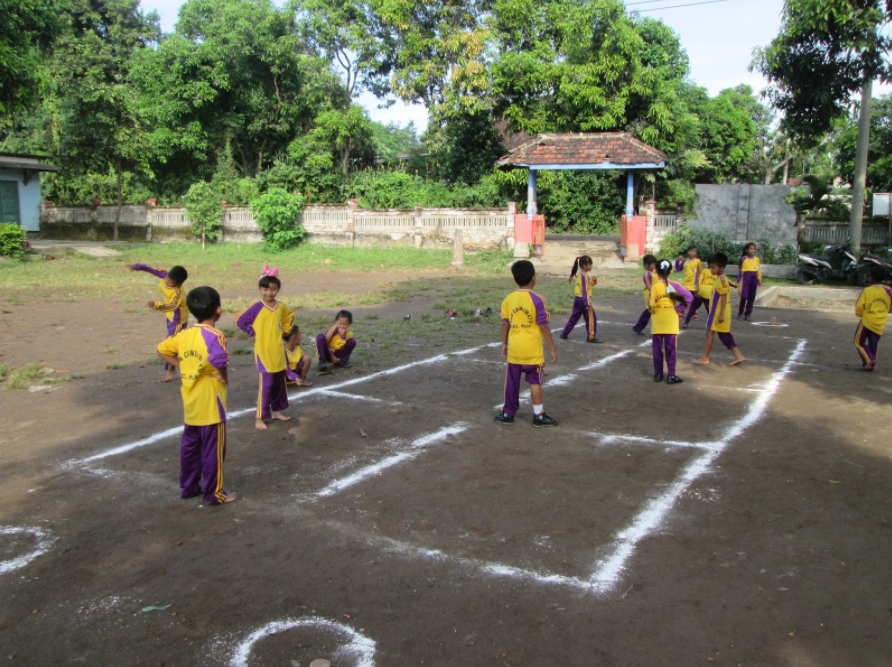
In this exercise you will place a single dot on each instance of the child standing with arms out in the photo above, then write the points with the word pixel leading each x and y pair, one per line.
pixel 297 364
pixel 266 322
pixel 200 354
pixel 524 325
pixel 582 302
pixel 650 267
pixel 174 304
pixel 703 295
pixel 749 278
pixel 719 321
pixel 692 268
pixel 664 298
pixel 873 308
pixel 335 346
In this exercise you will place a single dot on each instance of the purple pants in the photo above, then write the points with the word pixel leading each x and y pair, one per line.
pixel 642 321
pixel 726 339
pixel 326 355
pixel 202 450
pixel 669 342
pixel 695 306
pixel 173 328
pixel 533 373
pixel 272 395
pixel 866 342
pixel 748 286
pixel 580 308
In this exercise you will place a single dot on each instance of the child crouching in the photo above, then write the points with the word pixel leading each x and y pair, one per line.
pixel 334 347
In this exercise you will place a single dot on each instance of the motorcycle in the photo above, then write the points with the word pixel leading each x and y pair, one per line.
pixel 862 271
pixel 839 264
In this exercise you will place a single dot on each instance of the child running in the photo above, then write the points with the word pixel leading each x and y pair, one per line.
pixel 266 322
pixel 174 304
pixel 692 267
pixel 582 302
pixel 706 281
pixel 664 297
pixel 200 354
pixel 719 321
pixel 749 279
pixel 525 321
pixel 873 308
pixel 297 364
pixel 650 267
pixel 334 347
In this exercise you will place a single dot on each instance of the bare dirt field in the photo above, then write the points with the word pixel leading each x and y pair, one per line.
pixel 741 518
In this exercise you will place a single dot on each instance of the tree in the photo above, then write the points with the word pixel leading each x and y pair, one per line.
pixel 879 171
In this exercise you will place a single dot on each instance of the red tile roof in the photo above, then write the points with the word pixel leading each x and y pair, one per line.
pixel 583 148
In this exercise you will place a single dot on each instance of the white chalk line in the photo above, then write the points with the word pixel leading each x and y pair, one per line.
pixel 44 542
pixel 357 397
pixel 357 646
pixel 414 450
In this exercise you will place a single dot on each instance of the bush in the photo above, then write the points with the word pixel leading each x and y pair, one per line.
pixel 585 203
pixel 204 210
pixel 277 213
pixel 677 243
pixel 11 237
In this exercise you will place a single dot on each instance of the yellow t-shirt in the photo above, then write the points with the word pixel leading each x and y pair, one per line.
pixel 174 304
pixel 748 265
pixel 584 286
pixel 649 278
pixel 720 308
pixel 692 269
pixel 334 340
pixel 202 352
pixel 873 307
pixel 707 280
pixel 266 326
pixel 526 312
pixel 664 317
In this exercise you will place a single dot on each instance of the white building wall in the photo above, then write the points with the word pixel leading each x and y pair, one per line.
pixel 29 198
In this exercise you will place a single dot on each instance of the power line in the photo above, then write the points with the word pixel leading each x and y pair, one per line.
pixel 654 9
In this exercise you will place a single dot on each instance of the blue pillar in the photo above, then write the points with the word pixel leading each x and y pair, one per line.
pixel 531 194
pixel 630 193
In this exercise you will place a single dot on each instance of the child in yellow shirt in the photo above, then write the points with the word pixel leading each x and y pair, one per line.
pixel 719 321
pixel 174 304
pixel 297 363
pixel 749 278
pixel 692 268
pixel 873 308
pixel 650 267
pixel 525 322
pixel 334 347
pixel 705 282
pixel 200 354
pixel 665 297
pixel 582 301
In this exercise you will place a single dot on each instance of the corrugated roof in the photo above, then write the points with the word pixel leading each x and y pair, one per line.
pixel 584 149
pixel 25 162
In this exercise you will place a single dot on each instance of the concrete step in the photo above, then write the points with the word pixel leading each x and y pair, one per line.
pixel 560 255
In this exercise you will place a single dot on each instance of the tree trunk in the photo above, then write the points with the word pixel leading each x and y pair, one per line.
pixel 860 168
pixel 120 200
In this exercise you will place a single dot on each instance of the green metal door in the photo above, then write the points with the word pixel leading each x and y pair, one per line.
pixel 9 202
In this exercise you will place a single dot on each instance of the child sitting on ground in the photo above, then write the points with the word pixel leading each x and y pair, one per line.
pixel 873 309
pixel 719 321
pixel 297 364
pixel 334 347
pixel 174 304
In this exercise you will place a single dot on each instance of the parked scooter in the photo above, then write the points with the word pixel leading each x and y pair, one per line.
pixel 838 264
pixel 867 262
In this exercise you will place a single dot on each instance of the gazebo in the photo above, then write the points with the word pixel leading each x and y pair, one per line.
pixel 584 150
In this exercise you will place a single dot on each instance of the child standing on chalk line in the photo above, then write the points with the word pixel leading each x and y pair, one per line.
pixel 749 279
pixel 665 296
pixel 873 308
pixel 174 304
pixel 334 347
pixel 200 354
pixel 266 321
pixel 297 364
pixel 525 321
pixel 692 267
pixel 719 321
pixel 703 295
pixel 650 266
pixel 582 302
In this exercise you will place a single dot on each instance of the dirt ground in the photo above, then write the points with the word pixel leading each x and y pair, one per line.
pixel 741 518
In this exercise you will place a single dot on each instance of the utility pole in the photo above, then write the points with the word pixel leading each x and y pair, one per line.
pixel 860 167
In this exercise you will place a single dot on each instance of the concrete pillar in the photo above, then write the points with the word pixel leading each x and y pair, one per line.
pixel 532 208
pixel 630 193
pixel 458 249
pixel 419 227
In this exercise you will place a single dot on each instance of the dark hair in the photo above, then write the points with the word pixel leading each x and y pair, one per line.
pixel 344 313
pixel 582 260
pixel 719 259
pixel 664 268
pixel 203 302
pixel 747 245
pixel 291 333
pixel 691 247
pixel 648 259
pixel 523 272
pixel 878 273
pixel 265 281
pixel 178 274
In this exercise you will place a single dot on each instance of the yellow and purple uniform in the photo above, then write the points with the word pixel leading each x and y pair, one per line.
pixel 664 323
pixel 332 346
pixel 707 281
pixel 872 307
pixel 525 313
pixel 582 306
pixel 692 269
pixel 648 278
pixel 749 277
pixel 266 326
pixel 720 306
pixel 174 304
pixel 664 318
pixel 202 354
pixel 294 365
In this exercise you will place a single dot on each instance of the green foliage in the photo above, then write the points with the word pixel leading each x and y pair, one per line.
pixel 816 199
pixel 677 243
pixel 392 140
pixel 204 210
pixel 11 237
pixel 879 154
pixel 583 202
pixel 29 28
pixel 278 214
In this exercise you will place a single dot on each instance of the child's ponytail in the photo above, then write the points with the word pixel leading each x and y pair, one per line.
pixel 574 269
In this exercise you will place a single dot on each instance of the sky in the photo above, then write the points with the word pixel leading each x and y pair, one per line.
pixel 718 36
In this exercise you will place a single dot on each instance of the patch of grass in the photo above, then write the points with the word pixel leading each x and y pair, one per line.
pixel 131 383
pixel 154 361
pixel 22 378
pixel 240 350
pixel 110 350
pixel 115 365
pixel 5 369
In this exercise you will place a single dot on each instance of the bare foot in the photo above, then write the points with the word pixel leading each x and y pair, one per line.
pixel 869 366
pixel 304 383
pixel 260 425
pixel 703 362
pixel 281 417
pixel 168 376
pixel 231 496
pixel 737 362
